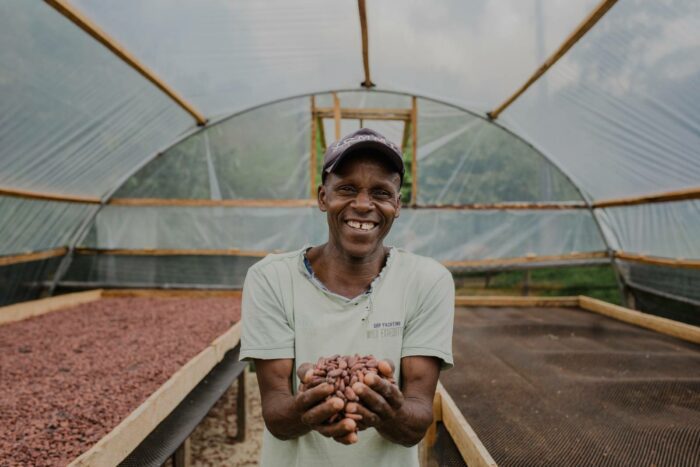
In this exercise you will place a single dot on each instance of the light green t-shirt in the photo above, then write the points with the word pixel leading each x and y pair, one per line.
pixel 408 311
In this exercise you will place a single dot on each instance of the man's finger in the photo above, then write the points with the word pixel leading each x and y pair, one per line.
pixel 347 439
pixel 320 413
pixel 390 392
pixel 373 401
pixel 303 370
pixel 311 397
pixel 369 418
pixel 337 430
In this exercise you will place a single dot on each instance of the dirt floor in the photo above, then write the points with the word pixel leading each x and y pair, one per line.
pixel 556 386
pixel 68 377
pixel 212 441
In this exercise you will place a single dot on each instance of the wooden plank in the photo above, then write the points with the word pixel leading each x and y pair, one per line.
pixel 470 446
pixel 230 203
pixel 366 113
pixel 658 261
pixel 406 135
pixel 336 115
pixel 513 301
pixel 314 156
pixel 414 150
pixel 170 252
pixel 367 83
pixel 656 323
pixel 45 196
pixel 34 256
pixel 322 131
pixel 574 37
pixel 663 197
pixel 183 455
pixel 84 23
pixel 241 408
pixel 525 260
pixel 126 436
pixel 20 311
pixel 430 437
pixel 169 293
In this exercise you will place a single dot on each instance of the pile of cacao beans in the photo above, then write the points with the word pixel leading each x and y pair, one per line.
pixel 342 371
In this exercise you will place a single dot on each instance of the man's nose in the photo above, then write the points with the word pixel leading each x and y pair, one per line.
pixel 363 201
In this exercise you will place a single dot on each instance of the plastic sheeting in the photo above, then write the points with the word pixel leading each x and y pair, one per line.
pixel 32 225
pixel 670 230
pixel 620 111
pixel 73 117
pixel 228 56
pixel 260 154
pixel 442 234
pixel 465 159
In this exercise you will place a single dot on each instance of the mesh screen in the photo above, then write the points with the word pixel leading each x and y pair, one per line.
pixel 666 307
pixel 445 452
pixel 568 387
pixel 26 281
pixel 144 271
pixel 682 282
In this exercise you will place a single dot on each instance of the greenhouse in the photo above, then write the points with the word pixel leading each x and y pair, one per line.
pixel 151 152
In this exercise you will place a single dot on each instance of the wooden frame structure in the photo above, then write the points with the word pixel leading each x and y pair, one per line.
pixel 367 83
pixel 84 23
pixel 33 256
pixel 574 37
pixel 663 197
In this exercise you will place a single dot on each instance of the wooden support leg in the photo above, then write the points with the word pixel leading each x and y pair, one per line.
pixel 240 408
pixel 183 455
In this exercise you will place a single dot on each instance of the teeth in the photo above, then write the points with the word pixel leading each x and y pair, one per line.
pixel 361 225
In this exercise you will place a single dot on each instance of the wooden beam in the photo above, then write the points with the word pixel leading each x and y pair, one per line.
pixel 430 437
pixel 34 256
pixel 526 259
pixel 470 446
pixel 322 130
pixel 656 323
pixel 336 115
pixel 20 311
pixel 367 83
pixel 414 150
pixel 170 252
pixel 125 437
pixel 512 301
pixel 232 203
pixel 365 114
pixel 84 23
pixel 45 196
pixel 170 293
pixel 577 34
pixel 663 197
pixel 314 156
pixel 658 261
pixel 406 135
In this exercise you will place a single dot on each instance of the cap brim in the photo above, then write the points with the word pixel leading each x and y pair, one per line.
pixel 391 156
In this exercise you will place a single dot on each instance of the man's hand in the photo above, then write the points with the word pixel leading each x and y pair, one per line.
pixel 315 411
pixel 399 417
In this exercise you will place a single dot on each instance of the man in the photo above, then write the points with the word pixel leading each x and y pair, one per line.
pixel 350 295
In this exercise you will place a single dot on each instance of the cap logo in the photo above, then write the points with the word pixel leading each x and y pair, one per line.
pixel 359 138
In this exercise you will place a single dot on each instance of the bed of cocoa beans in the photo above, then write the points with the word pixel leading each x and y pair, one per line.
pixel 342 371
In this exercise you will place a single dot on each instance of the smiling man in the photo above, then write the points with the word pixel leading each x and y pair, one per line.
pixel 350 295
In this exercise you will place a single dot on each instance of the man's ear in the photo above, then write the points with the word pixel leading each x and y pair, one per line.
pixel 398 206
pixel 321 196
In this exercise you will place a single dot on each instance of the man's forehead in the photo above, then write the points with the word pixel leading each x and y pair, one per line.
pixel 366 160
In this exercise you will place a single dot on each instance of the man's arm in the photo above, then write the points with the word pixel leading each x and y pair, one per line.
pixel 400 417
pixel 287 416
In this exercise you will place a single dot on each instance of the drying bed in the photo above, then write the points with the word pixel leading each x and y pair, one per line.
pixel 67 378
pixel 555 386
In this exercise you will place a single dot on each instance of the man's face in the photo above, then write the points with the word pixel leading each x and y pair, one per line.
pixel 361 201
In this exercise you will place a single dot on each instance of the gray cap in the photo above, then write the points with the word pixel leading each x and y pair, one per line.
pixel 361 139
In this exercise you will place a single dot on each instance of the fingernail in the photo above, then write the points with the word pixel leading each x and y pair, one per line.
pixel 369 379
pixel 351 407
pixel 338 403
pixel 352 439
pixel 359 388
pixel 350 424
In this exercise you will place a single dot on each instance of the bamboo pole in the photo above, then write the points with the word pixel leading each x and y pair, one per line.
pixel 373 113
pixel 170 252
pixel 526 259
pixel 33 256
pixel 667 196
pixel 414 150
pixel 314 156
pixel 84 23
pixel 367 83
pixel 336 115
pixel 243 203
pixel 574 37
pixel 658 261
pixel 45 196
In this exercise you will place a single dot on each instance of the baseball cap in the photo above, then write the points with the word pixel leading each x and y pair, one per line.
pixel 363 138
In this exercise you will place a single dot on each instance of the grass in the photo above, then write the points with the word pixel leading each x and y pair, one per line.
pixel 593 281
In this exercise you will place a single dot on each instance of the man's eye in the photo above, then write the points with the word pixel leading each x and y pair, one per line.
pixel 382 194
pixel 346 189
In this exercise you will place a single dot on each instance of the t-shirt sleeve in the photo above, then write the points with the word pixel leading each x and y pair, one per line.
pixel 428 331
pixel 266 332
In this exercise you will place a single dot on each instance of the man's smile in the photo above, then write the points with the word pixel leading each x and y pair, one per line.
pixel 364 226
